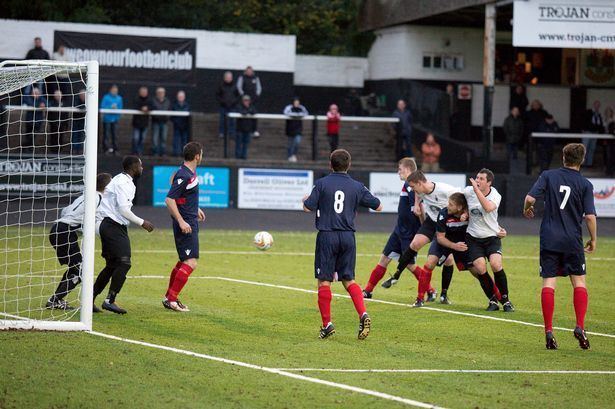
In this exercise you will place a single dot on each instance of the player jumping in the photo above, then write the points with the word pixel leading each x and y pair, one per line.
pixel 568 198
pixel 335 199
pixel 183 204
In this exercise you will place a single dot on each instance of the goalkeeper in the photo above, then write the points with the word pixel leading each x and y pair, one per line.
pixel 64 239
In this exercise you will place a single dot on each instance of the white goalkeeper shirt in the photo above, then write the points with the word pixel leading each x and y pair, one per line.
pixel 117 201
pixel 482 224
pixel 74 213
pixel 437 199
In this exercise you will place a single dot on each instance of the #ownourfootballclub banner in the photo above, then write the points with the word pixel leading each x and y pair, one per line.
pixel 133 59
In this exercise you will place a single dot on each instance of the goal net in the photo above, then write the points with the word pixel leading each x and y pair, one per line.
pixel 48 141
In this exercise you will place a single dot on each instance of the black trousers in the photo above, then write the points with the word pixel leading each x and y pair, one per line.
pixel 116 252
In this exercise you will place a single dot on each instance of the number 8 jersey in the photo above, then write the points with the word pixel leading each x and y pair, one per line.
pixel 335 198
pixel 568 197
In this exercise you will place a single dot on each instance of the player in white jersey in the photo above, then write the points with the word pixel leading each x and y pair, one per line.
pixel 433 197
pixel 482 236
pixel 116 214
pixel 64 239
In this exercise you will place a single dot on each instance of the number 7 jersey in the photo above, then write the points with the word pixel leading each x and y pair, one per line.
pixel 336 198
pixel 568 197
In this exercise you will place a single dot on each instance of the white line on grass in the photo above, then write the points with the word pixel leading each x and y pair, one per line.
pixel 303 290
pixel 468 371
pixel 271 370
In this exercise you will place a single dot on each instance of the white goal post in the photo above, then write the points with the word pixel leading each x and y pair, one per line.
pixel 37 180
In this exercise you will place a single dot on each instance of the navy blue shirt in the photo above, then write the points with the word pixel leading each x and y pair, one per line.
pixel 568 197
pixel 185 191
pixel 335 199
pixel 452 226
pixel 407 222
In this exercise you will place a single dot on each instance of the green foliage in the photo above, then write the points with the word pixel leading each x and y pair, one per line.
pixel 326 27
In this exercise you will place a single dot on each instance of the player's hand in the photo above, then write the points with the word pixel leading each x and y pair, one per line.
pixel 474 184
pixel 464 216
pixel 529 212
pixel 185 227
pixel 418 210
pixel 502 233
pixel 201 215
pixel 590 246
pixel 460 246
pixel 147 225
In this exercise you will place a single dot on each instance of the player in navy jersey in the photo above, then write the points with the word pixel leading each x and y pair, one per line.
pixel 183 204
pixel 407 225
pixel 335 199
pixel 568 199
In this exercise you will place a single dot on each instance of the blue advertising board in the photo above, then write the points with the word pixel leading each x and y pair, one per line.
pixel 213 185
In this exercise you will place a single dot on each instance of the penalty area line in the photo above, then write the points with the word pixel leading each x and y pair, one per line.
pixel 275 371
pixel 462 371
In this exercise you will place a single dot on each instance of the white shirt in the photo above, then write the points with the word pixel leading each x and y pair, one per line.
pixel 482 224
pixel 117 199
pixel 74 213
pixel 436 200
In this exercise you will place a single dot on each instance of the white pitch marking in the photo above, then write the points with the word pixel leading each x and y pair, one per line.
pixel 271 370
pixel 468 371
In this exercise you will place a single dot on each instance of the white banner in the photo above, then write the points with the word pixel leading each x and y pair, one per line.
pixel 279 189
pixel 386 186
pixel 564 24
pixel 604 196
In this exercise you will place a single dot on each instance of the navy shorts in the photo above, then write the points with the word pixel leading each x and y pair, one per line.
pixel 396 246
pixel 428 228
pixel 462 258
pixel 556 264
pixel 336 254
pixel 483 248
pixel 187 245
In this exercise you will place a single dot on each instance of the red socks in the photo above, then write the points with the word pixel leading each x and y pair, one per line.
pixel 179 281
pixel 547 298
pixel 324 304
pixel 424 281
pixel 377 274
pixel 357 298
pixel 172 278
pixel 580 305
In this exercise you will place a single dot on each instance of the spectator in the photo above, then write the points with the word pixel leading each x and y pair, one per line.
pixel 403 131
pixel 249 84
pixel 294 127
pixel 78 125
pixel 34 119
pixel 519 99
pixel 593 124
pixel 545 145
pixel 111 100
pixel 60 54
pixel 609 125
pixel 140 122
pixel 38 52
pixel 245 128
pixel 333 126
pixel 431 154
pixel 452 110
pixel 227 95
pixel 181 124
pixel 513 130
pixel 159 122
pixel 61 79
pixel 56 122
pixel 533 119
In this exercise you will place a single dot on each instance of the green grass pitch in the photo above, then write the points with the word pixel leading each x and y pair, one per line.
pixel 236 319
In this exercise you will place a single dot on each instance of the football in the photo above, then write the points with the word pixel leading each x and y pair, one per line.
pixel 263 240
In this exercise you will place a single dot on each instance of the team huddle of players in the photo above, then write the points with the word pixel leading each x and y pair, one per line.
pixel 461 225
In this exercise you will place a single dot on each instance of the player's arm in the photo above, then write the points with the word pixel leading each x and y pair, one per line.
pixel 592 227
pixel 417 209
pixel 310 202
pixel 487 204
pixel 124 201
pixel 370 201
pixel 528 206
pixel 174 211
pixel 443 241
pixel 538 190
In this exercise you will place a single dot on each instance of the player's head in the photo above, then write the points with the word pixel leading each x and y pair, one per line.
pixel 484 179
pixel 405 167
pixel 132 165
pixel 193 151
pixel 457 203
pixel 574 155
pixel 102 180
pixel 418 182
pixel 340 160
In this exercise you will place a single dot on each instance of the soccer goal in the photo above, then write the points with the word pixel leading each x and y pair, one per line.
pixel 48 142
